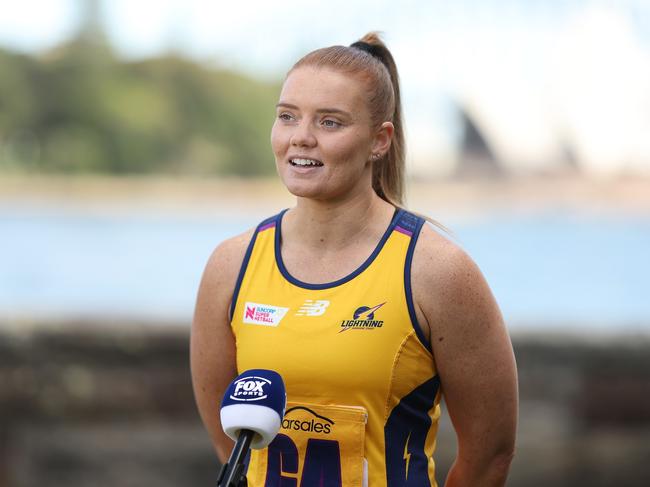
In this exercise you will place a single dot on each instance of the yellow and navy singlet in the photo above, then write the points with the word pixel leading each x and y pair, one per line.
pixel 362 389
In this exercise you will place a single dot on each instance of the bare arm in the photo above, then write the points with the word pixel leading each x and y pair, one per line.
pixel 212 344
pixel 474 358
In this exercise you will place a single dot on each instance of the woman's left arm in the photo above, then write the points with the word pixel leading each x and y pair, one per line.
pixel 474 358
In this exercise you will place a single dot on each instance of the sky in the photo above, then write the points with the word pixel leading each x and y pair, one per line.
pixel 258 35
pixel 535 74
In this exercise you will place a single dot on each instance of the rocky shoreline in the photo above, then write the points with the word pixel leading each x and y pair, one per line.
pixel 111 404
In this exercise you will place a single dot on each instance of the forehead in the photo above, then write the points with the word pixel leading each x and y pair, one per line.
pixel 313 88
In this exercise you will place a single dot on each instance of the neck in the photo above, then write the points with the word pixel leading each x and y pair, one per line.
pixel 336 224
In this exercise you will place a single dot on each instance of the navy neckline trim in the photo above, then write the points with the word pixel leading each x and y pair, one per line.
pixel 343 280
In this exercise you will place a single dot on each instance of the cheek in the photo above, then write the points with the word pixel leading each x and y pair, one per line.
pixel 276 139
pixel 351 150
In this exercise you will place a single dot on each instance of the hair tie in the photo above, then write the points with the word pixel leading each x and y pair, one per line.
pixel 374 51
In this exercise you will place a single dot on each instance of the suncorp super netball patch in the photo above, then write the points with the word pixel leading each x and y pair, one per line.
pixel 263 314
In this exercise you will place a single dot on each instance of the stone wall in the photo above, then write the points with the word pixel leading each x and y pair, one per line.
pixel 110 404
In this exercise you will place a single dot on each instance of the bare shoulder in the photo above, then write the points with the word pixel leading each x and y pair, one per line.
pixel 221 271
pixel 438 261
pixel 227 257
pixel 448 286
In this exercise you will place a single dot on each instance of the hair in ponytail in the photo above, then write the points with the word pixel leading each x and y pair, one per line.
pixel 370 60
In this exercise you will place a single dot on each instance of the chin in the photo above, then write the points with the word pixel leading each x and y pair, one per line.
pixel 323 187
pixel 303 190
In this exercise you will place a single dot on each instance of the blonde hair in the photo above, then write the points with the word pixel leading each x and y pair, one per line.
pixel 370 60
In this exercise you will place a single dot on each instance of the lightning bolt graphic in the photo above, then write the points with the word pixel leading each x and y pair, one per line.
pixel 407 455
pixel 368 312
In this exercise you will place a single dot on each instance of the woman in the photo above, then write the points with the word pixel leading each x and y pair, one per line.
pixel 368 313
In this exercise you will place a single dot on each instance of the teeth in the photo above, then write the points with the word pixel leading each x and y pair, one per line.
pixel 305 162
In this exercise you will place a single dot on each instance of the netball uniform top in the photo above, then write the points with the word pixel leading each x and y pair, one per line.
pixel 362 388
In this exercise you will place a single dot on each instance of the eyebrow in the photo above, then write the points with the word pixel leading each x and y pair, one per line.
pixel 320 110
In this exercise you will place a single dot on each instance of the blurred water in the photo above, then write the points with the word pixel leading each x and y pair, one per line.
pixel 552 270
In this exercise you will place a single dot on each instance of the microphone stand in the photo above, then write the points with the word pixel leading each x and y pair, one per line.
pixel 232 472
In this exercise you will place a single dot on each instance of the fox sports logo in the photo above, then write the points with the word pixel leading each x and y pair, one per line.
pixel 250 388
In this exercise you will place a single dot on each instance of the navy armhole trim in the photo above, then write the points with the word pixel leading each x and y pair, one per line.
pixel 305 285
pixel 244 264
pixel 414 224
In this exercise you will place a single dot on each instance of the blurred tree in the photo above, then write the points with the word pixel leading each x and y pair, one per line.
pixel 78 108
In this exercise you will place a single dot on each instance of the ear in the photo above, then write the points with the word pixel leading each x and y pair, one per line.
pixel 383 138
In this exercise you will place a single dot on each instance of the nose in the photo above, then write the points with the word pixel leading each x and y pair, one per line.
pixel 302 135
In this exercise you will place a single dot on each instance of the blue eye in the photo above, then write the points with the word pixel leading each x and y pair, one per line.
pixel 331 123
pixel 285 116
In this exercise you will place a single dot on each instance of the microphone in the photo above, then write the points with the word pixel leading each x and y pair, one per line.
pixel 251 414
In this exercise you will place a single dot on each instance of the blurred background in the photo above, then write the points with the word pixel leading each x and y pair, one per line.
pixel 134 137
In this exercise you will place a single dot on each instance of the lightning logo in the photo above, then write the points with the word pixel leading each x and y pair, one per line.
pixel 363 318
pixel 407 455
pixel 365 313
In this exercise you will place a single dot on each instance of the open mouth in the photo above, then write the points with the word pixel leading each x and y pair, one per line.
pixel 305 162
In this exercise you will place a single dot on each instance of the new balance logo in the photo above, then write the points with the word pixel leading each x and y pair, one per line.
pixel 313 308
